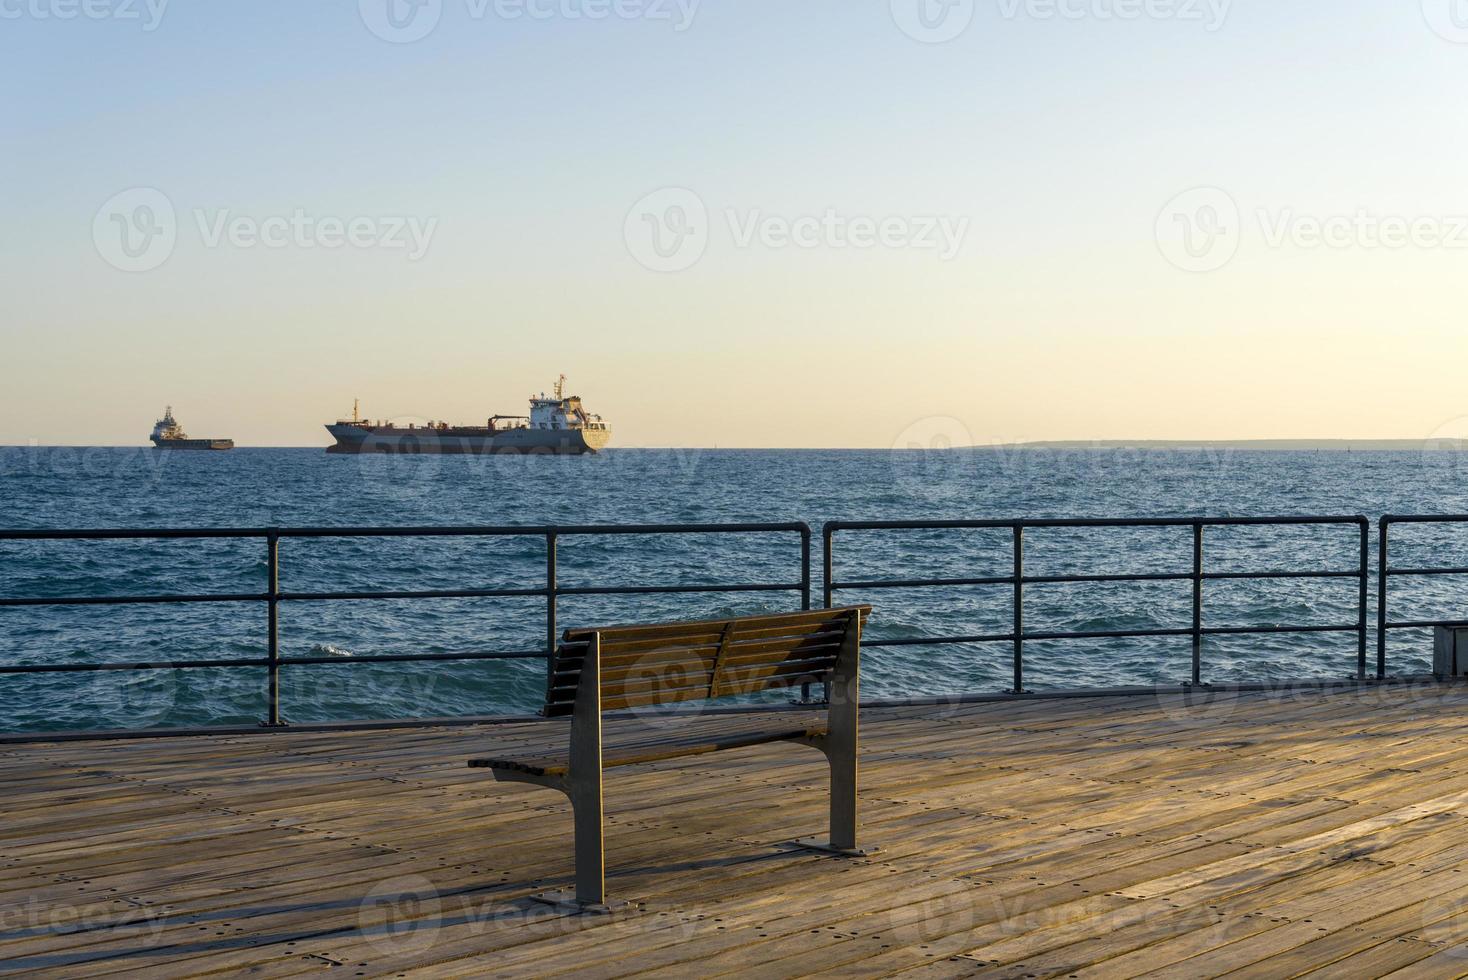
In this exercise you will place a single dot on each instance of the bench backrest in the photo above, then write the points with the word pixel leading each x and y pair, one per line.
pixel 688 661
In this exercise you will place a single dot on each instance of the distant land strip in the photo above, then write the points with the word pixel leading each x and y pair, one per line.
pixel 1260 445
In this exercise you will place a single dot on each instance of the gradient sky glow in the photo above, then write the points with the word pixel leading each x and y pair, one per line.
pixel 527 143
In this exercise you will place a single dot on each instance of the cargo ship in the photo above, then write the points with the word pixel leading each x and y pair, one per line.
pixel 168 434
pixel 558 425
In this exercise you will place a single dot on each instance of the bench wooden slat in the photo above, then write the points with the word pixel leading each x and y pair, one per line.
pixel 612 635
pixel 668 662
pixel 614 647
pixel 555 765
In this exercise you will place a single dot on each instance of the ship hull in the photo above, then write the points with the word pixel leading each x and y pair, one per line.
pixel 195 444
pixel 461 441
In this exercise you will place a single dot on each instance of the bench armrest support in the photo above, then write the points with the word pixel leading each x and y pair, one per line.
pixel 841 742
pixel 584 780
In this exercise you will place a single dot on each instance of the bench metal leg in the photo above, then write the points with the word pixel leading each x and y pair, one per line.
pixel 840 747
pixel 842 758
pixel 585 792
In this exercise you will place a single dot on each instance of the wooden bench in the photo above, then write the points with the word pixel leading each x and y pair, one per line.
pixel 598 670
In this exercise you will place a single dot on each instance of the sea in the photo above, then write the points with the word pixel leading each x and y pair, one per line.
pixel 59 488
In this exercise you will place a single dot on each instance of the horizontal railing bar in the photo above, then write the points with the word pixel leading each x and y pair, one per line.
pixel 405 594
pixel 413 594
pixel 1424 519
pixel 1427 571
pixel 123 600
pixel 535 530
pixel 136 665
pixel 1414 624
pixel 262 662
pixel 1107 634
pixel 1078 579
pixel 1240 630
pixel 397 658
pixel 926 640
pixel 1356 519
pixel 657 589
pixel 912 583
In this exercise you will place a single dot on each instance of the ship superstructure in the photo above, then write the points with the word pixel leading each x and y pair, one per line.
pixel 168 434
pixel 558 424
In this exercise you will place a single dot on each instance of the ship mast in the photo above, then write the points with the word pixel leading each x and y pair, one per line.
pixel 356 416
pixel 560 387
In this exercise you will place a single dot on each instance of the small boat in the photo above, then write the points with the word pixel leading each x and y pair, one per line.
pixel 168 434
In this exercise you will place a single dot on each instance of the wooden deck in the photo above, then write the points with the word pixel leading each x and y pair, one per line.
pixel 1252 835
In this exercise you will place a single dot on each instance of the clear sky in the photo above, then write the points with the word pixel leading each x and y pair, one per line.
pixel 753 223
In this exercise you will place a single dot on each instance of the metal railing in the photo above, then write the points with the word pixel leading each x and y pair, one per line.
pixel 1018 579
pixel 549 589
pixel 274 596
pixel 1385 573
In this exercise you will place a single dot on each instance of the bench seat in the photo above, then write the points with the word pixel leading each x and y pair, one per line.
pixel 697 742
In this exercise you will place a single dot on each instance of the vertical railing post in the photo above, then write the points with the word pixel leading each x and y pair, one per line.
pixel 1019 609
pixel 551 591
pixel 272 643
pixel 828 567
pixel 1198 604
pixel 805 569
pixel 1362 599
pixel 1381 619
